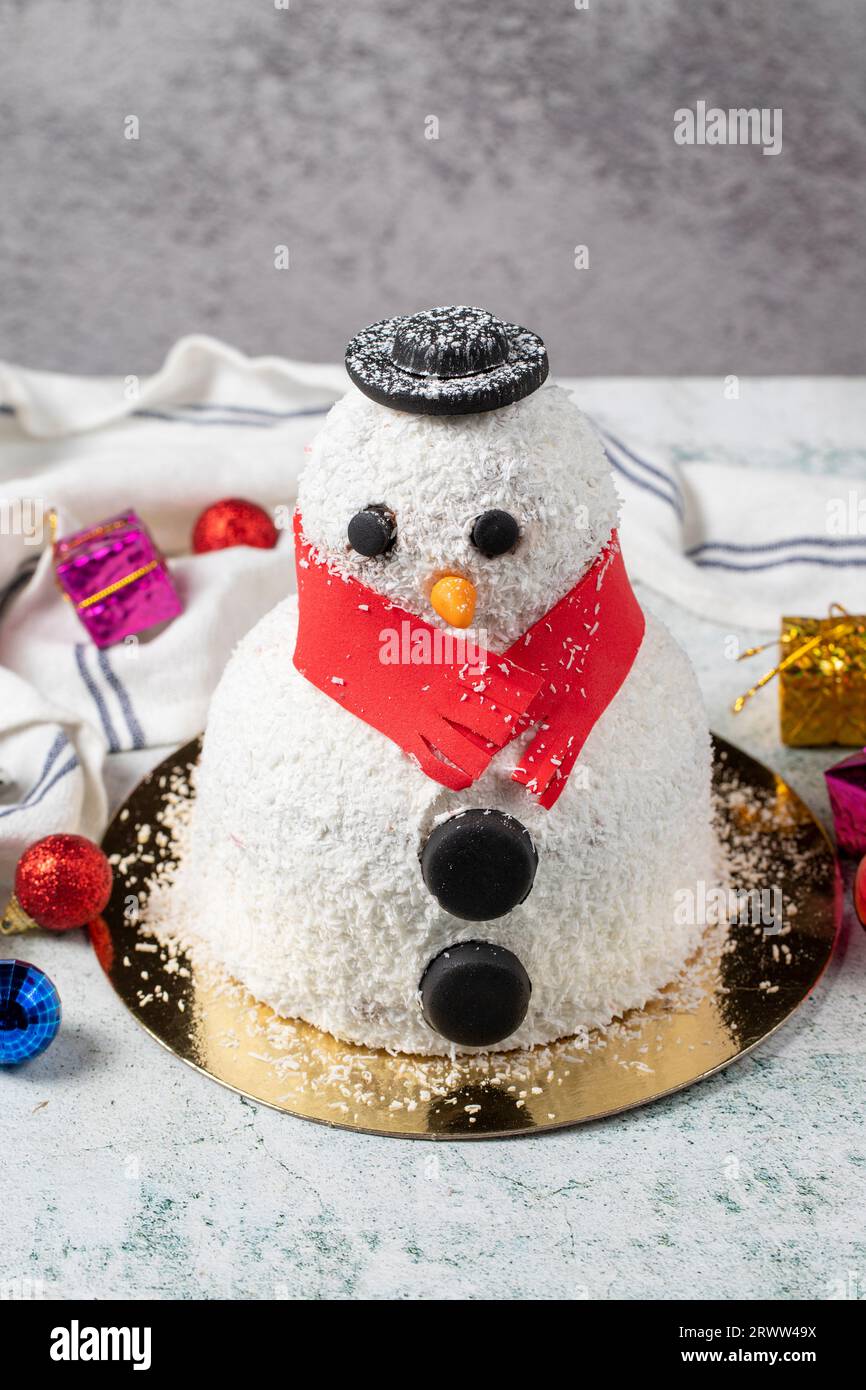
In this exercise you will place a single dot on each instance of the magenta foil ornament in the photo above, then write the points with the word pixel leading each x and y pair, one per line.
pixel 846 787
pixel 116 579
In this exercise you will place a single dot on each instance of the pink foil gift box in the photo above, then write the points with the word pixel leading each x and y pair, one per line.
pixel 846 787
pixel 116 579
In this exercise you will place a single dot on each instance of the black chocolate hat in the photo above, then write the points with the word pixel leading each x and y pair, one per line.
pixel 447 361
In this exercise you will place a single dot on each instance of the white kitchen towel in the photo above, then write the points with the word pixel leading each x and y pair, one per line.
pixel 737 545
pixel 50 771
pixel 741 546
pixel 211 423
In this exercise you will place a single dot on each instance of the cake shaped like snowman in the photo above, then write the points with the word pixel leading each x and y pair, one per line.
pixel 449 796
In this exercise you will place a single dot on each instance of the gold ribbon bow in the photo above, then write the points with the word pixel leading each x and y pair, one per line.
pixel 823 699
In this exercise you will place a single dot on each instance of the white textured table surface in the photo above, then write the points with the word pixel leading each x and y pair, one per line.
pixel 127 1174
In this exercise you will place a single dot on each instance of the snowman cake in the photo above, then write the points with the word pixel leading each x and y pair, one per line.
pixel 450 795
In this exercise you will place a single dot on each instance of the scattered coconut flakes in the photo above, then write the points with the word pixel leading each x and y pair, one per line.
pixel 316 1064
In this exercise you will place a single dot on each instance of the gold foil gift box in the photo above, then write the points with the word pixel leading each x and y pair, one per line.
pixel 822 680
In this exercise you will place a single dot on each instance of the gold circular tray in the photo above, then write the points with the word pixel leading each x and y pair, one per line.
pixel 740 988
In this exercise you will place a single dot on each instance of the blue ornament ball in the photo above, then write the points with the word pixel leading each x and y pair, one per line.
pixel 29 1012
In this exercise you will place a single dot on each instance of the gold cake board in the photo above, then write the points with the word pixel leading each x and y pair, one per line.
pixel 752 981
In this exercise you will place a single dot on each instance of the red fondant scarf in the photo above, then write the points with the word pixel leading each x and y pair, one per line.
pixel 450 707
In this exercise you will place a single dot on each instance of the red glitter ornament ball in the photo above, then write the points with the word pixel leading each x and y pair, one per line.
pixel 233 522
pixel 860 891
pixel 63 881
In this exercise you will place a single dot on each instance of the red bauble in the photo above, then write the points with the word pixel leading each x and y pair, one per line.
pixel 233 522
pixel 63 881
pixel 860 891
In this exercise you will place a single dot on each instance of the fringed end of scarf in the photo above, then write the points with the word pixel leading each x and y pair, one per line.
pixel 546 764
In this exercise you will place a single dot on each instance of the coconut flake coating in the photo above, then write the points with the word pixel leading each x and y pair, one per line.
pixel 301 872
pixel 540 460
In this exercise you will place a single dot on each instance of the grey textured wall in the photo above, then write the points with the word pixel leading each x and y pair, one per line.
pixel 260 127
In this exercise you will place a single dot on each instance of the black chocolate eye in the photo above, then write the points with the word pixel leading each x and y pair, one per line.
pixel 372 531
pixel 495 532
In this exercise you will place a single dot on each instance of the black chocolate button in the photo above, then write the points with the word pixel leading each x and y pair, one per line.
pixel 479 864
pixel 495 532
pixel 371 532
pixel 475 994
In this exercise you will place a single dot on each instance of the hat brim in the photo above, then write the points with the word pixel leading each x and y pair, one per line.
pixel 368 362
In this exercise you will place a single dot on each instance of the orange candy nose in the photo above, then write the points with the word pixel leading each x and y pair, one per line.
pixel 453 598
